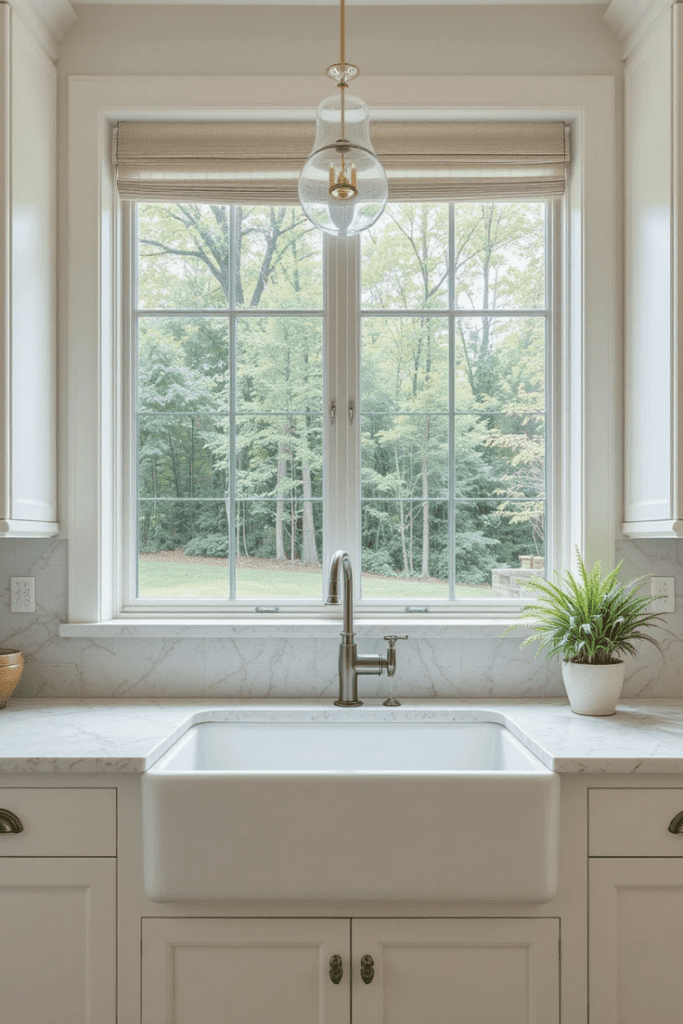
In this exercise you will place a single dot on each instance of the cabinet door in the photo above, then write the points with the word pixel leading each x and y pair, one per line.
pixel 245 971
pixel 58 940
pixel 635 940
pixel 457 971
pixel 28 411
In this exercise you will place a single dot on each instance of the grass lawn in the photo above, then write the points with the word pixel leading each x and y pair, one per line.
pixel 177 579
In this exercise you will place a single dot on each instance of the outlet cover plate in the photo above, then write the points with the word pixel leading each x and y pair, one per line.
pixel 22 594
pixel 663 592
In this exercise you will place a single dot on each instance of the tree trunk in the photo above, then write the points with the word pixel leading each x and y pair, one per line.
pixel 309 549
pixel 425 507
pixel 292 539
pixel 280 506
pixel 402 528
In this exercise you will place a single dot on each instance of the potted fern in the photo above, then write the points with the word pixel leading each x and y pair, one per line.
pixel 590 623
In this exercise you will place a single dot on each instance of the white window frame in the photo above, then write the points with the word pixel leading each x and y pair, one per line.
pixel 584 481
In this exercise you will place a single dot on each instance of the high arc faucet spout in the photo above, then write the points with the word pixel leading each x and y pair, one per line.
pixel 352 664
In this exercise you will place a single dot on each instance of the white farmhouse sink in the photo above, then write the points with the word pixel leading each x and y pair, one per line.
pixel 361 811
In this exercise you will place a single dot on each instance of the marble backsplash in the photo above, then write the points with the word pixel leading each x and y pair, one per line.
pixel 191 667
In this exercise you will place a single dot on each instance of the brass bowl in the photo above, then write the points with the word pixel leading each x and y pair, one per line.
pixel 11 666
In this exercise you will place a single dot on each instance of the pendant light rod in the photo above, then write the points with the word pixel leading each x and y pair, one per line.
pixel 342 61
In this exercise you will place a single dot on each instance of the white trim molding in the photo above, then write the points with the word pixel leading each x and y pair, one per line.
pixel 587 502
pixel 27 528
pixel 631 19
pixel 654 528
pixel 47 20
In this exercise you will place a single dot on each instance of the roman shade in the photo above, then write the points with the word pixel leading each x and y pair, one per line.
pixel 258 162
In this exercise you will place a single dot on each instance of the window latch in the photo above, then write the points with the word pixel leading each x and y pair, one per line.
pixel 333 411
pixel 351 411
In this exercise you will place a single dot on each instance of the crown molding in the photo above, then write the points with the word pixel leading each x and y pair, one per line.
pixel 47 20
pixel 631 19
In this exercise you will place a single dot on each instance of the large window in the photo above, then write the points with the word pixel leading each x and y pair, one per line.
pixel 241 444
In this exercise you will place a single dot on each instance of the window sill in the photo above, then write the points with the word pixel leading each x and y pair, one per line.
pixel 310 628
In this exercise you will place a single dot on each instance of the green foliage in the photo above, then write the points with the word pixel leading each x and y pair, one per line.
pixel 209 260
pixel 589 620
pixel 378 562
pixel 213 545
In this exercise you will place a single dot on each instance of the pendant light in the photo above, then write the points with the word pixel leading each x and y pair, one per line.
pixel 342 187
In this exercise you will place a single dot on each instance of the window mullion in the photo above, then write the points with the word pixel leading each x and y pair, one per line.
pixel 451 402
pixel 232 449
pixel 129 419
pixel 558 505
pixel 342 391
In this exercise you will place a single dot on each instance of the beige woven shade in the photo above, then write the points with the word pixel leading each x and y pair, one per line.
pixel 258 163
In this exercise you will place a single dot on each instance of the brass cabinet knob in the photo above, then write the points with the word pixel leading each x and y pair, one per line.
pixel 336 969
pixel 367 969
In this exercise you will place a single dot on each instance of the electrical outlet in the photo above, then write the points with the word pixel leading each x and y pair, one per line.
pixel 22 594
pixel 663 592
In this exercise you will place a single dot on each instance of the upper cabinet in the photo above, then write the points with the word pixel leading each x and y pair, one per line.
pixel 28 409
pixel 653 390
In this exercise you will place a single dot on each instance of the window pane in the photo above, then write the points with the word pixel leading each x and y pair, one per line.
pixel 404 364
pixel 279 544
pixel 182 456
pixel 405 549
pixel 500 456
pixel 405 456
pixel 500 363
pixel 280 262
pixel 183 364
pixel 183 256
pixel 405 258
pixel 183 549
pixel 279 364
pixel 493 534
pixel 279 456
pixel 499 258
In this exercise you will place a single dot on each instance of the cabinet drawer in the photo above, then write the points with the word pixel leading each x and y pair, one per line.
pixel 633 822
pixel 60 822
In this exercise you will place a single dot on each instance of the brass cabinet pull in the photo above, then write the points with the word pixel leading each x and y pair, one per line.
pixel 676 824
pixel 336 969
pixel 367 969
pixel 9 822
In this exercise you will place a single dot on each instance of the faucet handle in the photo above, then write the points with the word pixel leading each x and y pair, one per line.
pixel 390 664
pixel 392 639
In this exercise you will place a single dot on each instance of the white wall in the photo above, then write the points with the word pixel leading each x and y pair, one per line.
pixel 260 40
pixel 303 40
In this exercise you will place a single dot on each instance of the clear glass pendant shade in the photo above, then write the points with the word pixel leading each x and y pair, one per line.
pixel 343 187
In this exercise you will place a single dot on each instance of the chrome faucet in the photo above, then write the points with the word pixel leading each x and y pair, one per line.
pixel 352 664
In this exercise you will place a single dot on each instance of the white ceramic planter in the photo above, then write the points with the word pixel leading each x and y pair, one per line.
pixel 593 689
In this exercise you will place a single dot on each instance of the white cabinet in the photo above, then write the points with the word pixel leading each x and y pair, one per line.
pixel 58 940
pixel 635 940
pixel 653 387
pixel 635 906
pixel 440 971
pixel 58 909
pixel 28 86
pixel 244 971
pixel 458 971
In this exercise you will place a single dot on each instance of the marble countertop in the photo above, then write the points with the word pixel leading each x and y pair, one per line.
pixel 128 736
